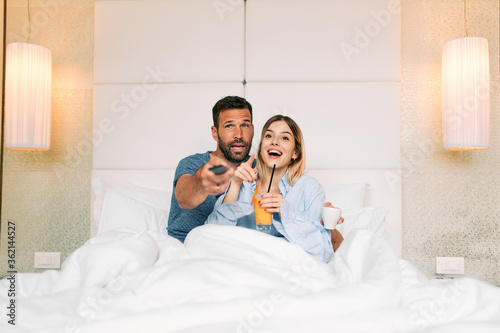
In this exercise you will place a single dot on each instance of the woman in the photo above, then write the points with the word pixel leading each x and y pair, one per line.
pixel 295 199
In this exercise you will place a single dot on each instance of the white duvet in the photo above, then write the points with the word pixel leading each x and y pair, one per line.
pixel 231 279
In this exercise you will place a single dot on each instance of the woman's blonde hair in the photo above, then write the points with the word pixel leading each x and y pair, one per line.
pixel 298 165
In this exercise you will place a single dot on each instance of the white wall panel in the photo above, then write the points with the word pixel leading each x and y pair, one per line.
pixel 192 40
pixel 332 65
pixel 345 125
pixel 154 129
pixel 323 40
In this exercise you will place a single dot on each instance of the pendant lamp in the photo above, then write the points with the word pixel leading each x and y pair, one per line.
pixel 28 79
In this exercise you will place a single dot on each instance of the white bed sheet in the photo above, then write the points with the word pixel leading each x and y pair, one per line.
pixel 232 279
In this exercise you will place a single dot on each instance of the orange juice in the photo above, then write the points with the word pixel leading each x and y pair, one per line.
pixel 261 216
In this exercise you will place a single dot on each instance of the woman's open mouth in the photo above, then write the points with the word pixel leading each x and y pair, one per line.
pixel 274 153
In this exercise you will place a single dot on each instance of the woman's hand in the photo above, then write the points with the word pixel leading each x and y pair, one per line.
pixel 244 172
pixel 341 219
pixel 337 238
pixel 271 202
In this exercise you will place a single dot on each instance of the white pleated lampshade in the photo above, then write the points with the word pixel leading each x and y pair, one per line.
pixel 28 82
pixel 466 94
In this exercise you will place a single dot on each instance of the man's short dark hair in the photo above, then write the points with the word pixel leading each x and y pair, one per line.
pixel 228 103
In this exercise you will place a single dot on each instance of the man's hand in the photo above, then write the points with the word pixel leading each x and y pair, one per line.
pixel 337 239
pixel 192 190
pixel 212 183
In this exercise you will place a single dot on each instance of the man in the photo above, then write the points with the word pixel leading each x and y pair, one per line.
pixel 196 187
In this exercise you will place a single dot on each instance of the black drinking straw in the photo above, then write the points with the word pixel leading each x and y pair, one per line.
pixel 271 181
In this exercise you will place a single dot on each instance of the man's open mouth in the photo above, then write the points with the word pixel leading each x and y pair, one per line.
pixel 238 147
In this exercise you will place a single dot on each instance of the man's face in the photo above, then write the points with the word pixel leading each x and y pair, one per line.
pixel 235 134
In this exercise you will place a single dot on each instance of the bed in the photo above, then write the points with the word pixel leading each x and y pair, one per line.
pixel 132 277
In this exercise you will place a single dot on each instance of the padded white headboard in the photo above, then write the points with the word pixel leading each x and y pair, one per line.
pixel 383 190
pixel 332 65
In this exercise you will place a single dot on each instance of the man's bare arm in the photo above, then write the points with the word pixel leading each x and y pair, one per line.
pixel 192 190
pixel 189 192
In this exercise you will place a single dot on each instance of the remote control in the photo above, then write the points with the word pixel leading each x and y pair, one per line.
pixel 218 170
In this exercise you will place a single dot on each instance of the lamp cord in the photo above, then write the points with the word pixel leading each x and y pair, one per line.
pixel 465 18
pixel 29 22
pixel 2 108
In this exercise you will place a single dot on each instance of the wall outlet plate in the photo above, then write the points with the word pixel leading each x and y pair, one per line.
pixel 47 259
pixel 450 265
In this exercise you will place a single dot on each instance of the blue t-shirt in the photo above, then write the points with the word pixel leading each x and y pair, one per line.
pixel 181 221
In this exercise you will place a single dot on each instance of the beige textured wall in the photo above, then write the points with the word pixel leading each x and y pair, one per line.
pixel 2 16
pixel 47 194
pixel 451 200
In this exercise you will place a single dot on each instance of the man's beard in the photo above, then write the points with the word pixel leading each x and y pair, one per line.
pixel 234 157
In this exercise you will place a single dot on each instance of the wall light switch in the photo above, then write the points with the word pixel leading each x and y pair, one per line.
pixel 47 259
pixel 450 265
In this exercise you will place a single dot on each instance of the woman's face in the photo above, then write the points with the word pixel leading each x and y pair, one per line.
pixel 278 145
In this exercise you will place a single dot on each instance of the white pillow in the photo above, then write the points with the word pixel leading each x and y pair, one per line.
pixel 346 196
pixel 119 211
pixel 368 218
pixel 151 200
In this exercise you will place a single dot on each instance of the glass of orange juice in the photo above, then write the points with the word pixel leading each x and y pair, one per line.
pixel 263 219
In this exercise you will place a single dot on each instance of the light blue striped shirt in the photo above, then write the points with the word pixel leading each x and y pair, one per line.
pixel 300 214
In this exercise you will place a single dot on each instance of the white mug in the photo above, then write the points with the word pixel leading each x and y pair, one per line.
pixel 331 216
